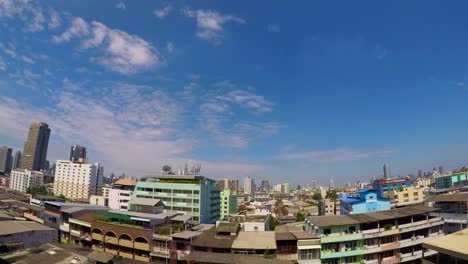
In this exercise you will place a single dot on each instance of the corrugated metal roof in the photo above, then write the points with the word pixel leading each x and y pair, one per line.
pixel 144 201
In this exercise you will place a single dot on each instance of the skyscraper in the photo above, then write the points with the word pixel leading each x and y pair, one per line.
pixel 441 169
pixel 35 148
pixel 248 185
pixel 386 171
pixel 17 160
pixel 5 160
pixel 265 186
pixel 77 154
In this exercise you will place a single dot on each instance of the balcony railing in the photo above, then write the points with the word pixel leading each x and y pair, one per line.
pixel 141 246
pixel 340 237
pixel 371 261
pixel 126 255
pixel 411 241
pixel 97 236
pixel 111 240
pixel 390 260
pixel 126 243
pixel 371 233
pixel 347 252
pixel 389 246
pixel 366 249
pixel 411 256
pixel 142 258
pixel 65 227
pixel 75 233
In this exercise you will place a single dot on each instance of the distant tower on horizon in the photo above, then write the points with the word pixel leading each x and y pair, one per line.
pixel 35 148
pixel 77 154
pixel 17 160
pixel 332 184
pixel 5 160
pixel 386 171
pixel 420 173
pixel 441 169
pixel 248 185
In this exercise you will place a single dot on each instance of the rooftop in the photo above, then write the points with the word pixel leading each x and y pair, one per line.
pixel 227 227
pixel 223 258
pixel 126 182
pixel 210 240
pixel 119 214
pixel 186 234
pixel 13 227
pixel 453 244
pixel 353 219
pixel 145 201
pixel 255 240
pixel 455 197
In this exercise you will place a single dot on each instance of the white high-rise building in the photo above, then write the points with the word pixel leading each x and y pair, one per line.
pixel 248 185
pixel 121 193
pixel 21 180
pixel 78 181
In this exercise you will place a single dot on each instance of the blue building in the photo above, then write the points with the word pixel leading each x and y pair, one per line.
pixel 386 185
pixel 364 201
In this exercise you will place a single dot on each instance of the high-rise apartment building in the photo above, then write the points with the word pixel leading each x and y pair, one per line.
pixel 386 171
pixel 228 203
pixel 77 154
pixel 188 194
pixel 6 160
pixel 35 148
pixel 226 183
pixel 76 180
pixel 248 185
pixel 121 193
pixel 17 160
pixel 265 186
pixel 21 180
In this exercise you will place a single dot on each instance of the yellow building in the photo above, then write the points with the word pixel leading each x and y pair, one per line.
pixel 404 195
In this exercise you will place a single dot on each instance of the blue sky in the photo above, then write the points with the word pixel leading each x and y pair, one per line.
pixel 276 90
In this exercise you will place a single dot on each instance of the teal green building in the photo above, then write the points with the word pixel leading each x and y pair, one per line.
pixel 451 181
pixel 228 203
pixel 188 194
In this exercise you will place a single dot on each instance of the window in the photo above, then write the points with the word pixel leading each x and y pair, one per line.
pixel 327 231
pixel 255 228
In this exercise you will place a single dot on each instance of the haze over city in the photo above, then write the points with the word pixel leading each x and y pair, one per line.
pixel 244 88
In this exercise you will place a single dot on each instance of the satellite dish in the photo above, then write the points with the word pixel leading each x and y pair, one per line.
pixel 166 168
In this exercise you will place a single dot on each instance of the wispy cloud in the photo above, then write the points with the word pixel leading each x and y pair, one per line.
pixel 210 23
pixel 55 20
pixel 273 28
pixel 123 53
pixel 29 12
pixel 121 6
pixel 335 155
pixel 27 59
pixel 170 46
pixel 163 12
pixel 248 100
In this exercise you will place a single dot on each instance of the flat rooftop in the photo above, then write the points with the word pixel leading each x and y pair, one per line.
pixel 255 240
pixel 454 197
pixel 453 245
pixel 354 219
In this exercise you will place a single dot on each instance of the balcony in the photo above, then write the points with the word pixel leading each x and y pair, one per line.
pixel 327 254
pixel 390 260
pixel 125 243
pixel 411 256
pixel 75 233
pixel 371 261
pixel 371 233
pixel 142 258
pixel 411 241
pixel 97 237
pixel 371 249
pixel 111 240
pixel 160 252
pixel 126 255
pixel 429 252
pixel 141 246
pixel 389 246
pixel 340 237
pixel 182 254
pixel 111 251
pixel 421 224
pixel 65 227
pixel 393 231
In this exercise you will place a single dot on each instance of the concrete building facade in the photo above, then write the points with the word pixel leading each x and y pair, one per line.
pixel 78 181
pixel 228 203
pixel 6 160
pixel 364 201
pixel 188 194
pixel 406 195
pixel 21 180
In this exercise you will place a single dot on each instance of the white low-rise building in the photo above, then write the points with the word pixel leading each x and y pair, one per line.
pixel 77 180
pixel 21 180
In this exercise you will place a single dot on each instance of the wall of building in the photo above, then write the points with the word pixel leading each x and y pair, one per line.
pixel 32 238
pixel 406 195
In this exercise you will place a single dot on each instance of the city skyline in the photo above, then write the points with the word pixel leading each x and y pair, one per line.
pixel 243 90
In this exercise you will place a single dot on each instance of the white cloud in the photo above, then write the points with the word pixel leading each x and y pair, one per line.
pixel 123 53
pixel 336 155
pixel 78 28
pixel 170 46
pixel 28 60
pixel 25 78
pixel 121 6
pixel 247 99
pixel 273 28
pixel 210 23
pixel 55 20
pixel 137 141
pixel 162 13
pixel 29 12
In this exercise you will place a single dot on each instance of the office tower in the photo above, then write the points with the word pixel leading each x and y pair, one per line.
pixel 265 186
pixel 78 181
pixel 17 160
pixel 47 165
pixel 5 160
pixel 192 195
pixel 441 169
pixel 35 148
pixel 226 183
pixel 248 185
pixel 77 154
pixel 21 180
pixel 420 173
pixel 386 171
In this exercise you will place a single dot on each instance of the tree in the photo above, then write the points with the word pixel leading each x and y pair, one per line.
pixel 267 253
pixel 40 190
pixel 332 195
pixel 299 217
pixel 272 223
pixel 62 196
pixel 317 196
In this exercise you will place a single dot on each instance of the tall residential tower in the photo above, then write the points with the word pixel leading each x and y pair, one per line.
pixel 77 154
pixel 35 148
